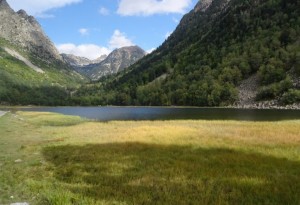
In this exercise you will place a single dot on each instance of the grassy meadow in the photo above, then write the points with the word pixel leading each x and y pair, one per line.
pixel 60 160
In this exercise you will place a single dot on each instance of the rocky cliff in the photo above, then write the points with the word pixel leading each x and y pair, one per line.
pixel 202 5
pixel 25 32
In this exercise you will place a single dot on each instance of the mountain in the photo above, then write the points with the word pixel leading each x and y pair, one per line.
pixel 116 61
pixel 79 62
pixel 220 49
pixel 99 60
pixel 31 69
pixel 24 31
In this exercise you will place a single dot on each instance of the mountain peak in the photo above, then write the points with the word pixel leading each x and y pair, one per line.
pixel 75 61
pixel 23 13
pixel 130 49
pixel 3 3
pixel 5 6
pixel 100 59
pixel 203 5
pixel 24 31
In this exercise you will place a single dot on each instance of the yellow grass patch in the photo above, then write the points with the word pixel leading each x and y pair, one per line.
pixel 66 159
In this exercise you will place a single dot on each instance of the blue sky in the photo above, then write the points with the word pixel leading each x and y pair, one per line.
pixel 91 28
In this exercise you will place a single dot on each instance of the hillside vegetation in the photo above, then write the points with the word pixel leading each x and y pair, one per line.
pixel 209 54
pixel 31 70
pixel 22 85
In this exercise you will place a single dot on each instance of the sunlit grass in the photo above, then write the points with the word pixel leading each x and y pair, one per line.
pixel 69 160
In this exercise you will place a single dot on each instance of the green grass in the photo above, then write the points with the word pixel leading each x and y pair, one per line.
pixel 20 84
pixel 69 160
pixel 16 72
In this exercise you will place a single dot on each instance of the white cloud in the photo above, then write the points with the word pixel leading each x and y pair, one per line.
pixel 119 40
pixel 92 51
pixel 150 7
pixel 84 31
pixel 150 50
pixel 39 7
pixel 104 11
pixel 89 51
pixel 168 34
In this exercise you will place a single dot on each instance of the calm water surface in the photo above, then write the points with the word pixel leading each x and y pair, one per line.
pixel 162 113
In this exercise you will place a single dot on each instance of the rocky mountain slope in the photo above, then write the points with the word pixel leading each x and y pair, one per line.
pixel 25 32
pixel 79 62
pixel 115 62
pixel 25 80
pixel 31 69
pixel 214 49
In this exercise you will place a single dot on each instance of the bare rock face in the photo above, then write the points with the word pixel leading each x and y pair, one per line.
pixel 4 4
pixel 77 61
pixel 203 5
pixel 25 32
pixel 122 58
pixel 100 59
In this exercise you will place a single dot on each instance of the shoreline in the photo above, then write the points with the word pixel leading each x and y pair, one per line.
pixel 266 105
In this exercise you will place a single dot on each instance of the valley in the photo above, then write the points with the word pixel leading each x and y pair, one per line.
pixel 210 116
pixel 216 48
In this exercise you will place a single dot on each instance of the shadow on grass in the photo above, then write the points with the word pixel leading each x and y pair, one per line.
pixel 138 173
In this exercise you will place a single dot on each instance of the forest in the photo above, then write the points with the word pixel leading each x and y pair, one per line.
pixel 205 59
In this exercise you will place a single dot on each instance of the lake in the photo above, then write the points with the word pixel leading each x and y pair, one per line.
pixel 170 113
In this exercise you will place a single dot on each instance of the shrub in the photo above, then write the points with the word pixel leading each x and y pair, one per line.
pixel 271 73
pixel 290 97
pixel 297 64
pixel 275 89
